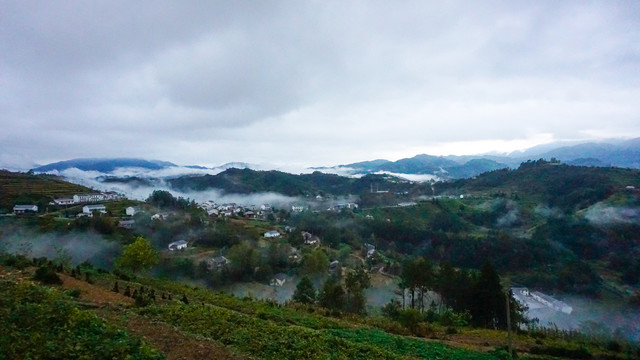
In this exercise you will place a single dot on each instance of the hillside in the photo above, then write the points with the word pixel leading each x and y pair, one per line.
pixel 246 181
pixel 182 322
pixel 557 184
pixel 28 188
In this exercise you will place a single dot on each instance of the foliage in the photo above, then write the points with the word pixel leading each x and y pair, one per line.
pixel 332 295
pixel 39 323
pixel 315 262
pixel 46 274
pixel 138 256
pixel 305 292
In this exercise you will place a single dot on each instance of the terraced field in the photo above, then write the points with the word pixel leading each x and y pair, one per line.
pixel 23 187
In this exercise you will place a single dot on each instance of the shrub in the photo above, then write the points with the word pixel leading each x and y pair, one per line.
pixel 15 261
pixel 575 353
pixel 46 275
pixel 74 293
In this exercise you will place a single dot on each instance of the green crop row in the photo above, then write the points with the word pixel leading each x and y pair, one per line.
pixel 408 346
pixel 263 338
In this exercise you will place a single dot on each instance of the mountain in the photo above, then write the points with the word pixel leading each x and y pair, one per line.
pixel 246 181
pixel 443 166
pixel 621 154
pixel 104 165
pixel 557 184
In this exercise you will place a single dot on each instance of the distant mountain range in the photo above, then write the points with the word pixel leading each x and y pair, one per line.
pixel 104 165
pixel 617 153
pixel 613 153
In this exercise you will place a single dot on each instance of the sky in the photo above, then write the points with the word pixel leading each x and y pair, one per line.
pixel 311 82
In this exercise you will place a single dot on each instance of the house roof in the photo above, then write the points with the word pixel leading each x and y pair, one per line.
pixel 23 207
pixel 178 243
pixel 280 276
pixel 98 206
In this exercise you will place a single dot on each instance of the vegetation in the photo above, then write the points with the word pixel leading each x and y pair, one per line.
pixel 138 256
pixel 41 323
pixel 27 188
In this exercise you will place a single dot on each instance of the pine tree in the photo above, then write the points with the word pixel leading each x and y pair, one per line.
pixel 305 292
pixel 488 307
pixel 332 295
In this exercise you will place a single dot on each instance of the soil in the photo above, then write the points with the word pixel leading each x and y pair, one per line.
pixel 172 342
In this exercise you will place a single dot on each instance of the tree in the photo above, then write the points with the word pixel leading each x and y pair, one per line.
pixel 332 295
pixel 315 262
pixel 138 256
pixel 305 292
pixel 244 259
pixel 488 307
pixel 355 283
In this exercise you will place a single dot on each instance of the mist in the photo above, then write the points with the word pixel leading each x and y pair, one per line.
pixel 605 215
pixel 593 317
pixel 73 247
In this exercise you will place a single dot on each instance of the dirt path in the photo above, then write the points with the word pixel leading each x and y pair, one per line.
pixel 172 342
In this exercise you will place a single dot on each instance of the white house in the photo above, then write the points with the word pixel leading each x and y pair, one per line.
pixel 83 198
pixel 279 279
pixel 178 245
pixel 21 209
pixel 297 208
pixel 89 209
pixel 369 250
pixel 160 216
pixel 271 234
pixel 63 201
pixel 130 211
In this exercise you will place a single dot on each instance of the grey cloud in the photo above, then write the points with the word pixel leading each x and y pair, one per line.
pixel 228 81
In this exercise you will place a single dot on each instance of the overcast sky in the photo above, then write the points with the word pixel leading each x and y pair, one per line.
pixel 311 82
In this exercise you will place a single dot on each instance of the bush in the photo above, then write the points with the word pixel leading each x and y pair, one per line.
pixel 46 275
pixel 15 261
pixel 577 353
pixel 74 293
pixel 451 330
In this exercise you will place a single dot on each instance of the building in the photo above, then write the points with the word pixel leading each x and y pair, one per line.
pixel 310 239
pixel 369 250
pixel 178 245
pixel 63 201
pixel 130 211
pixel 126 224
pixel 294 255
pixel 535 300
pixel 297 208
pixel 22 209
pixel 85 198
pixel 90 209
pixel 271 234
pixel 160 216
pixel 334 266
pixel 217 262
pixel 279 279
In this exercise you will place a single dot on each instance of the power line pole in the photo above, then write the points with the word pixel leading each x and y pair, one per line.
pixel 509 346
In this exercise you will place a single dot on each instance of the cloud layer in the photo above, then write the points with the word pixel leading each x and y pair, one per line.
pixel 312 83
